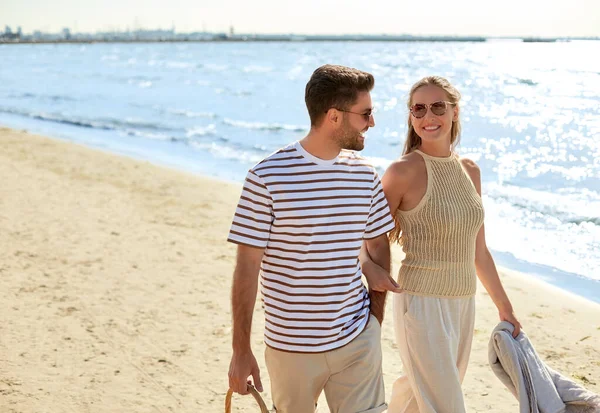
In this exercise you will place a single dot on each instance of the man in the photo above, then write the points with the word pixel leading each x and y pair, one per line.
pixel 302 218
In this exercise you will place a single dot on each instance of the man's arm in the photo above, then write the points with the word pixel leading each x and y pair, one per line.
pixel 378 251
pixel 375 253
pixel 243 296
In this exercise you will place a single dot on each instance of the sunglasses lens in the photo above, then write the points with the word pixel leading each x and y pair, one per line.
pixel 419 110
pixel 438 108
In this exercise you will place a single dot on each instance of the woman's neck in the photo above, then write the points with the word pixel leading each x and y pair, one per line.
pixel 442 150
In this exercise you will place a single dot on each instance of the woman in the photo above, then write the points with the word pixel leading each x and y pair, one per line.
pixel 435 198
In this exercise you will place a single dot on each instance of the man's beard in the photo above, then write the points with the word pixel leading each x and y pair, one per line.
pixel 349 138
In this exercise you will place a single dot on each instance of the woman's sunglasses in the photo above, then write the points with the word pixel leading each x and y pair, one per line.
pixel 419 110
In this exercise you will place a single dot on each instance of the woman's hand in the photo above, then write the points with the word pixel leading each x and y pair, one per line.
pixel 378 278
pixel 509 315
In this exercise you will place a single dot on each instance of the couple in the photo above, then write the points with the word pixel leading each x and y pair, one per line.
pixel 314 217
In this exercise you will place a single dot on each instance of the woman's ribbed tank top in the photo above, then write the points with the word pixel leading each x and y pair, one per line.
pixel 438 235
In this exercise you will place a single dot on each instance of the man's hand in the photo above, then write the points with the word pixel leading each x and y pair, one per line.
pixel 241 367
pixel 243 297
pixel 377 305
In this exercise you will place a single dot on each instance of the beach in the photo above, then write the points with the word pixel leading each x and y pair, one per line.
pixel 115 282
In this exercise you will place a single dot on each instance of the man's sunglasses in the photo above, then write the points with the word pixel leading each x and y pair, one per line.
pixel 366 115
pixel 419 110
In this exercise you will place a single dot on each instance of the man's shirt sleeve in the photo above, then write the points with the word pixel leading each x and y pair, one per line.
pixel 254 214
pixel 380 220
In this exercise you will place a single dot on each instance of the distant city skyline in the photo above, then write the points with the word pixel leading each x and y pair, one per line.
pixel 576 18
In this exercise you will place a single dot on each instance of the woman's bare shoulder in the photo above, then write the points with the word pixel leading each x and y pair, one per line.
pixel 468 163
pixel 407 166
pixel 473 171
pixel 470 166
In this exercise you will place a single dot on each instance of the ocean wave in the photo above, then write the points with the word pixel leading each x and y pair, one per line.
pixel 47 98
pixel 275 127
pixel 152 135
pixel 243 155
pixel 144 84
pixel 100 123
pixel 209 130
pixel 527 82
pixel 190 114
pixel 585 220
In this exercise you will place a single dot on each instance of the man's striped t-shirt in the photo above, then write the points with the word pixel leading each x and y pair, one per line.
pixel 311 216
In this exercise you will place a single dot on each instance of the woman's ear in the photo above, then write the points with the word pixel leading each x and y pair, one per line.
pixel 456 113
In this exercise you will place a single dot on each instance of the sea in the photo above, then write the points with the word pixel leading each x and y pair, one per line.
pixel 530 114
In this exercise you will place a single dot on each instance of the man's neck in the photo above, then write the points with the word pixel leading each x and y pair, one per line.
pixel 320 146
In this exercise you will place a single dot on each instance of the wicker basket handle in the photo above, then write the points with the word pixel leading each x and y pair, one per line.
pixel 254 392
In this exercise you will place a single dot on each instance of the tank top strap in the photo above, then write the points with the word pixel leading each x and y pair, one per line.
pixel 451 158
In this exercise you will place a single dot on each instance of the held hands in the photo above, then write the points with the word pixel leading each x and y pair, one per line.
pixel 509 315
pixel 243 365
pixel 379 279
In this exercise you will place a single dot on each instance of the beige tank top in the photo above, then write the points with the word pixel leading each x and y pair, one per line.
pixel 438 235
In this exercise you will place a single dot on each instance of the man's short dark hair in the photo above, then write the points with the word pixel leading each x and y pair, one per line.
pixel 334 86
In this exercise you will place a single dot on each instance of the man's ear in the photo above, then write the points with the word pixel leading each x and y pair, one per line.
pixel 333 116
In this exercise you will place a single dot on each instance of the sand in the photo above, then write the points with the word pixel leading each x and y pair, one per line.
pixel 114 292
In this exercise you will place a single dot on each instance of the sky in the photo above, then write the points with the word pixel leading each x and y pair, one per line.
pixel 549 18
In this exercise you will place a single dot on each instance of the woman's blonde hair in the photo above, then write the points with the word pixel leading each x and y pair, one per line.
pixel 413 141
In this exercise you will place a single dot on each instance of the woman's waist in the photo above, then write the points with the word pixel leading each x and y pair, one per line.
pixel 458 279
pixel 412 263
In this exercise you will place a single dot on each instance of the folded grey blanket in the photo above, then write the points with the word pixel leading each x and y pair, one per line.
pixel 537 387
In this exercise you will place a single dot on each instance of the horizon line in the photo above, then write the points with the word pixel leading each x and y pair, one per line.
pixel 231 33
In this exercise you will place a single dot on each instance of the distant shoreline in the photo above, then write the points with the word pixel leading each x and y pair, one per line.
pixel 286 38
pixel 241 40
